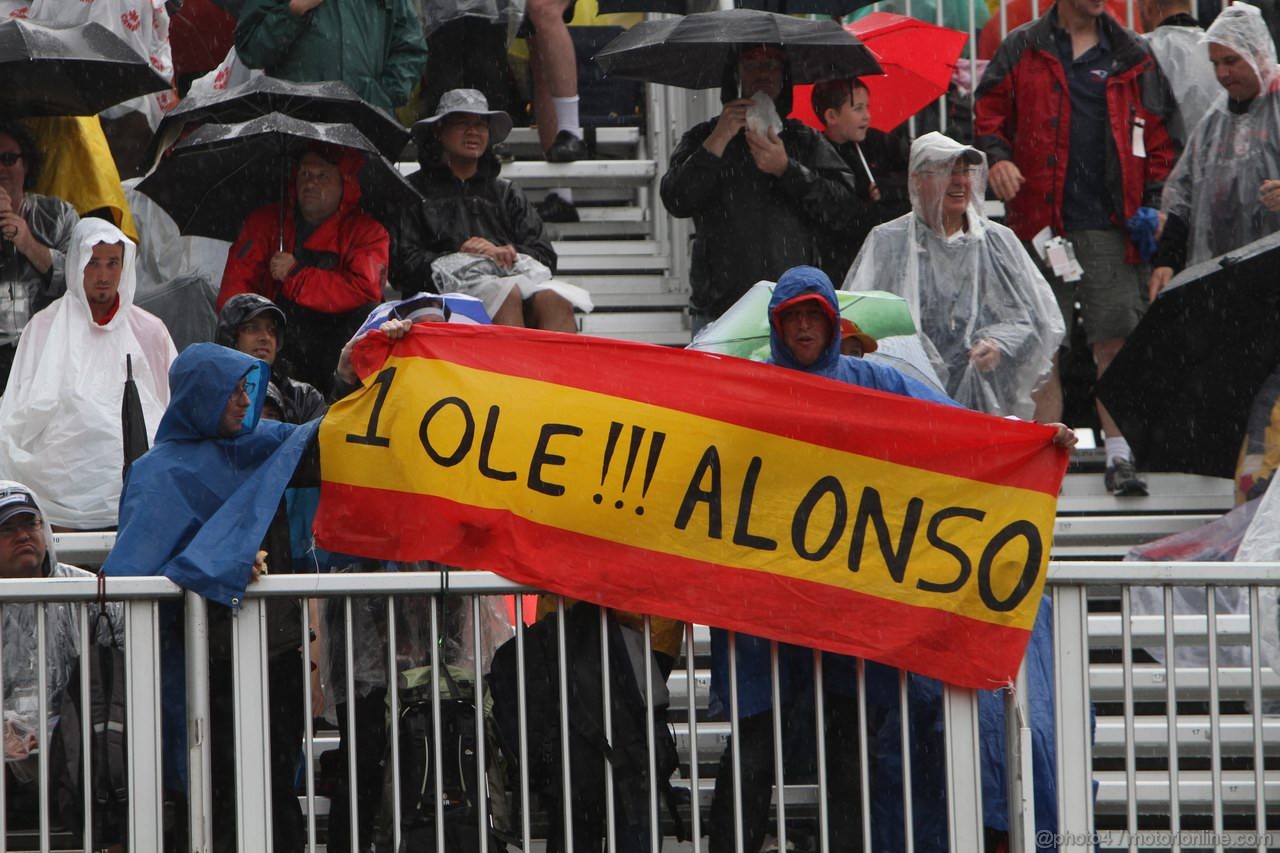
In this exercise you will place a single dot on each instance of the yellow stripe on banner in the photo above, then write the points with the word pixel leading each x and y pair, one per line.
pixel 670 482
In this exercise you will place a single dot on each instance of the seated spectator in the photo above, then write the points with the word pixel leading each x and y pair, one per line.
pixel 843 108
pixel 470 210
pixel 255 326
pixel 324 271
pixel 34 233
pixel 985 315
pixel 60 422
pixel 374 46
pixel 26 551
pixel 1225 190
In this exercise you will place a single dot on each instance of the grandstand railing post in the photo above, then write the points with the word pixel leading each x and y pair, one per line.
pixel 200 790
pixel 252 736
pixel 964 772
pixel 1071 699
pixel 142 665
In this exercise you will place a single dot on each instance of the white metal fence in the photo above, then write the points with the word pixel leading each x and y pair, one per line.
pixel 1125 723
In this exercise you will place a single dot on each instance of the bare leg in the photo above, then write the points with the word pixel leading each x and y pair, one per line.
pixel 1104 352
pixel 1048 397
pixel 548 310
pixel 555 65
pixel 511 312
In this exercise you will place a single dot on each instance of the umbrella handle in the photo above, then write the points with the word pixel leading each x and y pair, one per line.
pixel 284 194
pixel 865 167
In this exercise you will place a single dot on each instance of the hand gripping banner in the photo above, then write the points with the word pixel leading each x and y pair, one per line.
pixel 699 487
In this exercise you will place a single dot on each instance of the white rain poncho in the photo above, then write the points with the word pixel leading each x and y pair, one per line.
pixel 19 636
pixel 977 285
pixel 1185 64
pixel 60 429
pixel 1214 187
pixel 1262 545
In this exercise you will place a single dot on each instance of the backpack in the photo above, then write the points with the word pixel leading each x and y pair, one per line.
pixel 462 787
pixel 626 751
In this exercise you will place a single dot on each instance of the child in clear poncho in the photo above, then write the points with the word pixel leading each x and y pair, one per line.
pixel 1225 190
pixel 985 315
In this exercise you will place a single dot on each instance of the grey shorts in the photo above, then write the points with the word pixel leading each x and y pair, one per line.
pixel 1111 296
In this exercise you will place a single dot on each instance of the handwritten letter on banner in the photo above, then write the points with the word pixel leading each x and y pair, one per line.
pixel 699 487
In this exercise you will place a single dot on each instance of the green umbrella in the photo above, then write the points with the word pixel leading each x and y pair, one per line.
pixel 743 330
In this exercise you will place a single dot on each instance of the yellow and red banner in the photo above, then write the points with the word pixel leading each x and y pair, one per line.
pixel 699 487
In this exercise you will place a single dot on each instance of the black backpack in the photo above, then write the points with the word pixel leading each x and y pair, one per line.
pixel 626 751
pixel 462 786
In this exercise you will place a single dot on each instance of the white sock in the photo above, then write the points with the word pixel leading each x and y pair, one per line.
pixel 1117 448
pixel 564 193
pixel 567 115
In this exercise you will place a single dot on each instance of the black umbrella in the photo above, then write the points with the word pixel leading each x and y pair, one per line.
pixel 331 102
pixel 221 173
pixel 52 70
pixel 693 52
pixel 1181 388
pixel 133 422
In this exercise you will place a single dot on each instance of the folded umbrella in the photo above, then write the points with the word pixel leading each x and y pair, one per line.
pixel 692 52
pixel 330 102
pixel 220 174
pixel 1181 388
pixel 53 70
pixel 917 58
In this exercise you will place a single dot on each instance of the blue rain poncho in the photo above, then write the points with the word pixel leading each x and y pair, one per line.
pixel 1214 188
pixel 196 507
pixel 977 285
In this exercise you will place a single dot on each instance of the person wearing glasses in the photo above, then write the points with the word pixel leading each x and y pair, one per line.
pixel 34 233
pixel 985 315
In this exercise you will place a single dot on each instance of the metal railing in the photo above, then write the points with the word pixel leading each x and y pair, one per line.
pixel 1183 754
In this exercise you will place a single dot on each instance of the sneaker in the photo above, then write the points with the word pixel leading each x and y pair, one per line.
pixel 1122 480
pixel 554 208
pixel 566 148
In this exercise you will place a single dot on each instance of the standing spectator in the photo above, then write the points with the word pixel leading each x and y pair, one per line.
pixel 60 427
pixel 1066 108
pixel 758 200
pixel 327 268
pixel 555 79
pixel 1174 37
pixel 469 209
pixel 1225 190
pixel 843 109
pixel 374 46
pixel 255 326
pixel 985 315
pixel 35 231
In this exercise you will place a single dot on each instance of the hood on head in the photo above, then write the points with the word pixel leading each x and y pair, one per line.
pixel 936 154
pixel 349 162
pixel 12 492
pixel 795 283
pixel 1240 27
pixel 201 381
pixel 88 233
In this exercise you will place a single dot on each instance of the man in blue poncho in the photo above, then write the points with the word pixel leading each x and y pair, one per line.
pixel 195 509
pixel 805 335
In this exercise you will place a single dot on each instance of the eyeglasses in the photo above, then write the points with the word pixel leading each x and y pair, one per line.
pixel 8 158
pixel 30 524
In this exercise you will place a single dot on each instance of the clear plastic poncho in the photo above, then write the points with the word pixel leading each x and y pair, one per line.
pixel 1185 64
pixel 60 417
pixel 1215 185
pixel 977 285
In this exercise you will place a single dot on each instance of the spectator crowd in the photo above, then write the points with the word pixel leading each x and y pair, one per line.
pixel 1120 159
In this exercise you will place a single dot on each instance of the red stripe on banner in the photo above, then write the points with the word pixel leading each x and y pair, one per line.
pixel 958 650
pixel 957 442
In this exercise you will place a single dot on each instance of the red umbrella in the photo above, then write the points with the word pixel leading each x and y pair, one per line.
pixel 918 60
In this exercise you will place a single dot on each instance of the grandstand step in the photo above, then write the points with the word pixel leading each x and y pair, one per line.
pixel 581 173
pixel 610 142
pixel 655 327
pixel 1085 494
pixel 1195 790
pixel 1106 683
pixel 1151 736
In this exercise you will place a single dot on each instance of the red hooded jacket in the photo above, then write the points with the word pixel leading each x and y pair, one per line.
pixel 340 267
pixel 1023 114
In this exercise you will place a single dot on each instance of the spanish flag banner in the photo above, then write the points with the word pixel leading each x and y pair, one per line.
pixel 699 487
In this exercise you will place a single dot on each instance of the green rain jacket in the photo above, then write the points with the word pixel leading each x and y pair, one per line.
pixel 374 46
